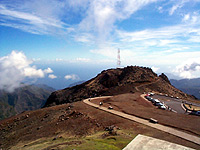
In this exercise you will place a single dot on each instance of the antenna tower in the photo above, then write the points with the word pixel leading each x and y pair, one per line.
pixel 118 58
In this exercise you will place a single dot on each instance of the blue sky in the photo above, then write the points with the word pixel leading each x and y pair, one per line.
pixel 161 34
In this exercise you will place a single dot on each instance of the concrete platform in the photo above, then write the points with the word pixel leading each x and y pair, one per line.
pixel 141 142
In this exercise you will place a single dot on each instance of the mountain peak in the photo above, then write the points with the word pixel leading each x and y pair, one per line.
pixel 114 82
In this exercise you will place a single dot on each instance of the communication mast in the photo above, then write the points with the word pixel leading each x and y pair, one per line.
pixel 118 58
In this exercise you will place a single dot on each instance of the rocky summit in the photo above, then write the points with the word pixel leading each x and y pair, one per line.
pixel 117 81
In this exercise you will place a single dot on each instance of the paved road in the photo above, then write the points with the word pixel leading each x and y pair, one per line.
pixel 169 130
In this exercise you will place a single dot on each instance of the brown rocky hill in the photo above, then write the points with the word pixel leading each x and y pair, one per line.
pixel 117 81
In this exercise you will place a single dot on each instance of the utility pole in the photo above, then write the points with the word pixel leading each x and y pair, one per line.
pixel 118 58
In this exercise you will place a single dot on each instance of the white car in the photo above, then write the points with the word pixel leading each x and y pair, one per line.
pixel 163 107
pixel 110 107
pixel 151 94
pixel 156 101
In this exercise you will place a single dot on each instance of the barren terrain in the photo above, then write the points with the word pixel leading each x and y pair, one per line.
pixel 133 104
pixel 78 125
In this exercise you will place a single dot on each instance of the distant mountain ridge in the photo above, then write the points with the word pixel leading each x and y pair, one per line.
pixel 114 82
pixel 189 86
pixel 76 83
pixel 28 97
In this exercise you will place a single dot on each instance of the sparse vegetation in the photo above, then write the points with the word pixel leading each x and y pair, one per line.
pixel 92 142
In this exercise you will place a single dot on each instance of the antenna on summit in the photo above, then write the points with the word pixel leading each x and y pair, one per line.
pixel 118 58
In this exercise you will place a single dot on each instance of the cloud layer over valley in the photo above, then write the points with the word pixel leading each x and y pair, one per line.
pixel 15 68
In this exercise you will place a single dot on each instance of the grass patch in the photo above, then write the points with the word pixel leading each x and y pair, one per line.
pixel 92 142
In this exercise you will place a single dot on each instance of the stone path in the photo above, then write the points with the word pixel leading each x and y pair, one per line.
pixel 169 130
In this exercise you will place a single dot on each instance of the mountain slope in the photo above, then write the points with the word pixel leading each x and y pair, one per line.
pixel 189 86
pixel 114 82
pixel 29 97
pixel 76 83
pixel 80 126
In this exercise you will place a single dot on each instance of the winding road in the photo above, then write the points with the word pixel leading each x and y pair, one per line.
pixel 183 135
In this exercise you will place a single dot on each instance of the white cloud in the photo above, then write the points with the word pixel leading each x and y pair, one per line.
pixel 150 34
pixel 59 59
pixel 160 9
pixel 175 49
pixel 15 68
pixel 84 38
pixel 112 52
pixel 188 68
pixel 103 14
pixel 177 5
pixel 174 8
pixel 36 59
pixel 72 77
pixel 97 17
pixel 155 69
pixel 181 34
pixel 82 59
pixel 32 72
pixel 186 17
pixel 52 76
pixel 32 17
pixel 48 70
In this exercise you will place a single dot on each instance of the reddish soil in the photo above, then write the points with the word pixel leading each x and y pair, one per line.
pixel 133 104
pixel 81 119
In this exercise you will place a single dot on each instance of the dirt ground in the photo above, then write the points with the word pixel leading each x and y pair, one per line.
pixel 79 120
pixel 133 104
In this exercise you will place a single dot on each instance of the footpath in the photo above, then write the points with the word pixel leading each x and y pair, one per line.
pixel 166 129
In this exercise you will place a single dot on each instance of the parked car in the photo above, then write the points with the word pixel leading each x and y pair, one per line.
pixel 155 102
pixel 197 113
pixel 158 104
pixel 152 120
pixel 162 107
pixel 148 97
pixel 152 100
pixel 151 94
pixel 110 107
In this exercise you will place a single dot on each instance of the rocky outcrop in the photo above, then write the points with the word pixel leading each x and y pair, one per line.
pixel 164 77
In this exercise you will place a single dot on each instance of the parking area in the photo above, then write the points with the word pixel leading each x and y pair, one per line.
pixel 173 103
